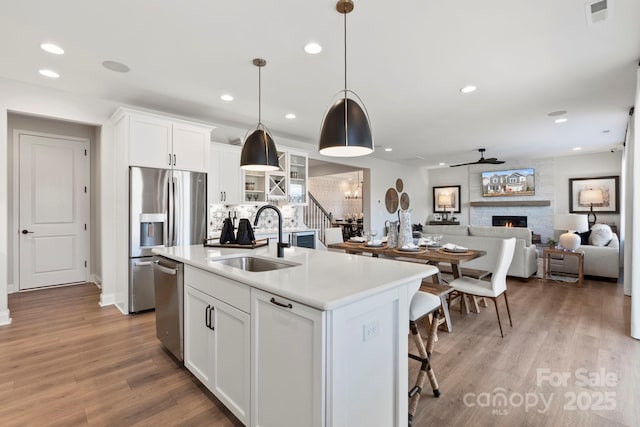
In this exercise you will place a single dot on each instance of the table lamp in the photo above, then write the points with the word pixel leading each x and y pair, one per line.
pixel 445 201
pixel 571 223
pixel 589 198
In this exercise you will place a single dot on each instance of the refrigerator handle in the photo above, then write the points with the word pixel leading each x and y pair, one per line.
pixel 173 212
pixel 170 217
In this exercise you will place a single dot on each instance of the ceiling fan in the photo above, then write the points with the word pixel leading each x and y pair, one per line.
pixel 482 160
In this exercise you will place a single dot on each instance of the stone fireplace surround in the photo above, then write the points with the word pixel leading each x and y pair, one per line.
pixel 539 218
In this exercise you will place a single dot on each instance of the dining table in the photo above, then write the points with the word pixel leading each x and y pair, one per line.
pixel 430 255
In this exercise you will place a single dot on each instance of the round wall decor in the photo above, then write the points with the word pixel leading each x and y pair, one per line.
pixel 399 185
pixel 391 200
pixel 404 201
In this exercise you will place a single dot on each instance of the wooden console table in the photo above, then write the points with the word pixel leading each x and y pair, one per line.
pixel 548 252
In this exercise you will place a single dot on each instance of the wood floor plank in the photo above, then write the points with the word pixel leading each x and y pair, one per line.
pixel 86 365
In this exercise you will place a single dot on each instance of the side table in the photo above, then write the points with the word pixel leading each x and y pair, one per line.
pixel 548 252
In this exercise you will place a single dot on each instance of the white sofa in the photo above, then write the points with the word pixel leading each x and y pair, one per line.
pixel 488 239
pixel 600 261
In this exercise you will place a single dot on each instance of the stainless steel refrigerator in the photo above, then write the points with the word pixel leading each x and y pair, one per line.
pixel 167 208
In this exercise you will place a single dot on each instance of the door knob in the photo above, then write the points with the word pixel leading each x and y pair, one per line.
pixel 27 232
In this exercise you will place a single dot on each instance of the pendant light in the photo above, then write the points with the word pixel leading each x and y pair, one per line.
pixel 346 129
pixel 259 151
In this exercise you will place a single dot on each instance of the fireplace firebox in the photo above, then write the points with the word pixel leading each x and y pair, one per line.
pixel 509 221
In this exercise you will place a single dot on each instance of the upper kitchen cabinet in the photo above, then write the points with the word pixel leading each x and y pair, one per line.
pixel 163 142
pixel 225 175
pixel 298 170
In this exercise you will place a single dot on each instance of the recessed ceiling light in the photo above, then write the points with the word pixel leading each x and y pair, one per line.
pixel 49 73
pixel 577 148
pixel 441 164
pixel 52 48
pixel 290 116
pixel 313 48
pixel 118 67
pixel 388 149
pixel 557 113
pixel 226 97
pixel 468 89
pixel 562 120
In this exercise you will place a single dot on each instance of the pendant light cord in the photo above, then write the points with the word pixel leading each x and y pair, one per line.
pixel 259 96
pixel 345 55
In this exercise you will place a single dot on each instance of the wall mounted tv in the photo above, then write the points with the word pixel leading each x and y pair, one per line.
pixel 514 182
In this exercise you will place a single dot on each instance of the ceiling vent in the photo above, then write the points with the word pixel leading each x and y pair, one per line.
pixel 237 141
pixel 597 11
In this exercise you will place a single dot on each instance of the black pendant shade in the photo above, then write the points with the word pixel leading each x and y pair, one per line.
pixel 345 133
pixel 259 152
pixel 346 129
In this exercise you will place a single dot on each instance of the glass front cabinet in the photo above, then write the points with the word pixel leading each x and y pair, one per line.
pixel 288 183
pixel 298 169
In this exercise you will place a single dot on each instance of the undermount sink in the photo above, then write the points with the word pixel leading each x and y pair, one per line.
pixel 249 263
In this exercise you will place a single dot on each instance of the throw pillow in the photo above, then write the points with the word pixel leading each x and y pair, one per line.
pixel 584 237
pixel 601 235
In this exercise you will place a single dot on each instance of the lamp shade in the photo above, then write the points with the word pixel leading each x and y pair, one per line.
pixel 591 197
pixel 445 200
pixel 345 130
pixel 259 152
pixel 571 222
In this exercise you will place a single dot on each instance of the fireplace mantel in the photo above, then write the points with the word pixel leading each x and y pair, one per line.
pixel 507 203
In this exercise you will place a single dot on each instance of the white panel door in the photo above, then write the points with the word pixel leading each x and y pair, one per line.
pixel 54 210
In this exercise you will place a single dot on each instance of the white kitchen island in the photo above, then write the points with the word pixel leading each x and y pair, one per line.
pixel 320 343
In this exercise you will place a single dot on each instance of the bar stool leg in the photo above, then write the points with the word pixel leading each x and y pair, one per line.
pixel 425 369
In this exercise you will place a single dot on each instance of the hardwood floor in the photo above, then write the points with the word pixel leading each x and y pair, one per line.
pixel 68 362
pixel 558 328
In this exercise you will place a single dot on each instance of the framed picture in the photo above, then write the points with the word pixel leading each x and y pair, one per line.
pixel 602 193
pixel 514 182
pixel 446 199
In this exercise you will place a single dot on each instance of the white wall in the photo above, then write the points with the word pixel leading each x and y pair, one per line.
pixel 552 183
pixel 33 100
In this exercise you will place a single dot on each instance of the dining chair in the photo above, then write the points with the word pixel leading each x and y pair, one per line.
pixel 423 304
pixel 333 235
pixel 494 288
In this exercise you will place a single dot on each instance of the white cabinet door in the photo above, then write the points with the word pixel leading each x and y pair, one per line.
pixel 225 175
pixel 287 359
pixel 150 142
pixel 217 349
pixel 197 335
pixel 190 147
pixel 230 363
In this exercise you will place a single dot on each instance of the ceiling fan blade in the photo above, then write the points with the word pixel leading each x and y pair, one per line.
pixel 463 164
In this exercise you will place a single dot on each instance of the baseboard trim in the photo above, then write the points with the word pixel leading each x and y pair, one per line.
pixel 12 288
pixel 107 299
pixel 5 318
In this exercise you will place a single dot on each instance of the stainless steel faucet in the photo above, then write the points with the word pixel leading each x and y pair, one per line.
pixel 281 245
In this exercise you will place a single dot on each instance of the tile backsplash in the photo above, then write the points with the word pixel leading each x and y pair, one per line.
pixel 291 216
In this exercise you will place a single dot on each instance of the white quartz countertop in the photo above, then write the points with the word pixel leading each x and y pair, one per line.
pixel 321 279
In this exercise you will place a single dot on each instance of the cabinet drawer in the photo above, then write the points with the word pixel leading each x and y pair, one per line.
pixel 234 293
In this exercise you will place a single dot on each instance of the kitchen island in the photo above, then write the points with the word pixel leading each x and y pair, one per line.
pixel 321 341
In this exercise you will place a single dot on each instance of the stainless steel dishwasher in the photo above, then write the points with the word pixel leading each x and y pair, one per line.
pixel 168 281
